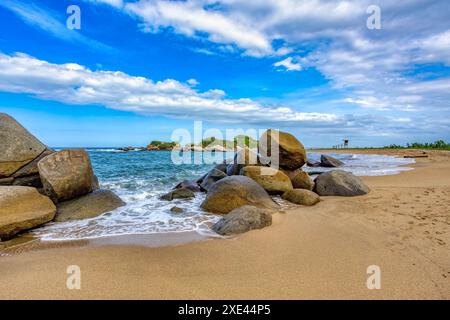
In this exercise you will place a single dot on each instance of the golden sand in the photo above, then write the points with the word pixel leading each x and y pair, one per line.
pixel 320 252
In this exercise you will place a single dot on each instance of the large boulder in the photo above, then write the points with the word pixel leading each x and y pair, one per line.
pixel 23 208
pixel 211 178
pixel 242 158
pixel 17 146
pixel 272 180
pixel 291 153
pixel 236 191
pixel 330 162
pixel 243 219
pixel 88 206
pixel 181 193
pixel 300 179
pixel 67 174
pixel 339 183
pixel 301 196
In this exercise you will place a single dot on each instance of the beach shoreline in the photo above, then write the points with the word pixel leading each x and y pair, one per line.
pixel 319 252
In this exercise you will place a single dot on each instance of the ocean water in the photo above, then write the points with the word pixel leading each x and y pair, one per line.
pixel 140 178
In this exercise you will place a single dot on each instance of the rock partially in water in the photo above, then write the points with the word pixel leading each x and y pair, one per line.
pixel 176 209
pixel 272 180
pixel 23 208
pixel 88 206
pixel 313 164
pixel 178 194
pixel 18 147
pixel 243 219
pixel 244 157
pixel 330 162
pixel 67 174
pixel 340 183
pixel 236 191
pixel 302 197
pixel 211 178
pixel 188 184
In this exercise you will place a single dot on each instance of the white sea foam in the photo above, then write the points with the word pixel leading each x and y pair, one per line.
pixel 141 178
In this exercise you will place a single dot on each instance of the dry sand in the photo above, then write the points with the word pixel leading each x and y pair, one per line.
pixel 320 252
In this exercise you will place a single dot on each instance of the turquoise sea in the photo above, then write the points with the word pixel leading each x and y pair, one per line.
pixel 141 177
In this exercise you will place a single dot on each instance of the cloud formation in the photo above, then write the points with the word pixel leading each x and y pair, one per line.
pixel 74 84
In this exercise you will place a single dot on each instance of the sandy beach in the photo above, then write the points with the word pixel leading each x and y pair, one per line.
pixel 320 252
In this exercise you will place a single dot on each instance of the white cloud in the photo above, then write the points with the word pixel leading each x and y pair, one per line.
pixel 190 18
pixel 192 82
pixel 288 64
pixel 74 84
pixel 114 3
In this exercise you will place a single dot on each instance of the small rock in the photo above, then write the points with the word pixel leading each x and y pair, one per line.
pixel 176 209
pixel 301 196
pixel 187 184
pixel 243 219
pixel 313 164
pixel 330 162
pixel 178 194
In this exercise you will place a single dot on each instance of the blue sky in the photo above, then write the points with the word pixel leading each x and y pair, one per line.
pixel 137 70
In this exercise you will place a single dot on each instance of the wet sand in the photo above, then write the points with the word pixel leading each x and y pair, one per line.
pixel 320 252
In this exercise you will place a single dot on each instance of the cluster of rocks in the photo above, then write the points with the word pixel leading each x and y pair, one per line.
pixel 241 189
pixel 38 185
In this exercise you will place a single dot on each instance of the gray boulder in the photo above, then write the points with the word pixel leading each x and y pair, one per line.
pixel 340 183
pixel 330 162
pixel 88 206
pixel 243 219
pixel 187 184
pixel 178 194
pixel 236 191
pixel 176 209
pixel 67 174
pixel 211 178
pixel 313 164
pixel 18 147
